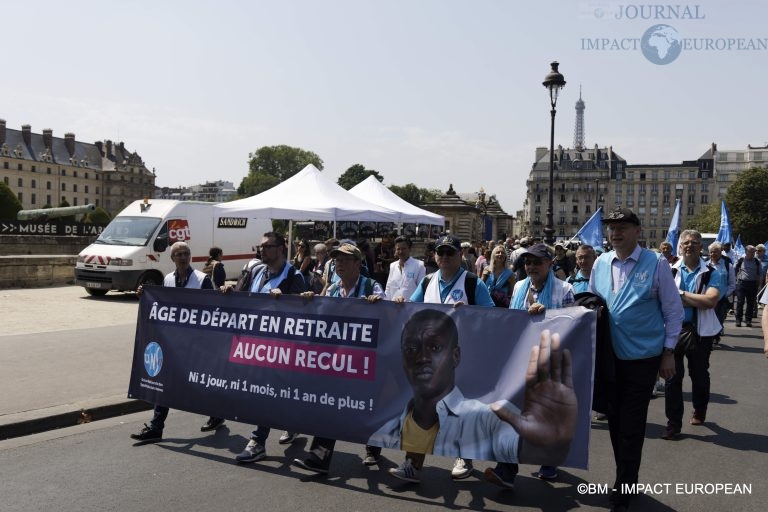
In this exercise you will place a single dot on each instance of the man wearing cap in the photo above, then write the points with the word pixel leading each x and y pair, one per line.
pixel 645 317
pixel 351 284
pixel 539 291
pixel 585 258
pixel 451 284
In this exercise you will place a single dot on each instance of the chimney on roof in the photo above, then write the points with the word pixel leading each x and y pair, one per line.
pixel 109 148
pixel 48 138
pixel 714 149
pixel 69 143
pixel 100 146
pixel 2 131
pixel 26 134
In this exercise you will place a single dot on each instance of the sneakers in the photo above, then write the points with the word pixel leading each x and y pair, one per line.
pixel 314 463
pixel 406 472
pixel 670 432
pixel 462 468
pixel 599 416
pixel 658 388
pixel 148 435
pixel 253 452
pixel 287 437
pixel 496 476
pixel 698 418
pixel 212 424
pixel 547 473
pixel 372 455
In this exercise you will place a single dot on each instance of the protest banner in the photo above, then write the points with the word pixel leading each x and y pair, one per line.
pixel 334 367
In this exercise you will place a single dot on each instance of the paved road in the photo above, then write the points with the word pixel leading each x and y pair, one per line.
pixel 66 348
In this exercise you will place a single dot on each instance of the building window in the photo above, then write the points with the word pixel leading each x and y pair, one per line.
pixel 74 187
pixel 97 190
pixel 587 209
pixel 21 197
pixel 19 167
pixel 575 209
pixel 34 168
pixel 63 172
pixel 86 189
pixel 5 165
pixel 48 185
pixel 642 176
pixel 74 201
pixel 86 175
pixel 690 210
pixel 74 173
pixel 34 183
pixel 47 199
pixel 86 201
pixel 21 182
pixel 562 220
pixel 63 187
pixel 704 199
pixel 49 170
pixel 33 199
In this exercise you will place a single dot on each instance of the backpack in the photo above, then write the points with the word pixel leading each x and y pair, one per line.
pixel 470 283
pixel 293 277
pixel 367 286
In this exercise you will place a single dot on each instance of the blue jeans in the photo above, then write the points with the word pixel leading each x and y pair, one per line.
pixel 158 419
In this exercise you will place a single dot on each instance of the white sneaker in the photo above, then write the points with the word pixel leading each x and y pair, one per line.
pixel 287 437
pixel 406 472
pixel 462 468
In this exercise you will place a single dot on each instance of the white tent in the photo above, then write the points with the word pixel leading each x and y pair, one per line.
pixel 308 195
pixel 372 190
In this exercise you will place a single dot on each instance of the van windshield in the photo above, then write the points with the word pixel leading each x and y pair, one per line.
pixel 129 231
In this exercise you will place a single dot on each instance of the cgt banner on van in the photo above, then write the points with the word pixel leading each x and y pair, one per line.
pixel 347 369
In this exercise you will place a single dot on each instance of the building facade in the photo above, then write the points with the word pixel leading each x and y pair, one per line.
pixel 472 217
pixel 212 192
pixel 45 170
pixel 587 179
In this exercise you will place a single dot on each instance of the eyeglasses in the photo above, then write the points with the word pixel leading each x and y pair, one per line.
pixel 446 252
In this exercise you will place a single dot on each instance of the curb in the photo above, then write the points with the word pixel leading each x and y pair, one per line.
pixel 71 418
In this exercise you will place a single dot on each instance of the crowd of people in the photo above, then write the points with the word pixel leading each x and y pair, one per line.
pixel 662 308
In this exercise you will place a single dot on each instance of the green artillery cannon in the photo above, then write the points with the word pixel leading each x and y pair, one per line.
pixel 53 213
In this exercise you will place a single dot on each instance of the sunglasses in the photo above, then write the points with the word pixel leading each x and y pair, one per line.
pixel 446 252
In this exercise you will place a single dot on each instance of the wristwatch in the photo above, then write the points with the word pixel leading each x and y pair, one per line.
pixel 682 293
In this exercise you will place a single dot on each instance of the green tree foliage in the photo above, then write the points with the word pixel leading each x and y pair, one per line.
pixel 9 203
pixel 99 216
pixel 746 200
pixel 357 174
pixel 271 165
pixel 413 194
pixel 707 221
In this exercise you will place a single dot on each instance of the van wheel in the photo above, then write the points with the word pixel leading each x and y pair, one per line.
pixel 95 293
pixel 151 278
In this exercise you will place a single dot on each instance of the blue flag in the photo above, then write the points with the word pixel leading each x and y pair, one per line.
pixel 724 235
pixel 674 227
pixel 738 248
pixel 591 233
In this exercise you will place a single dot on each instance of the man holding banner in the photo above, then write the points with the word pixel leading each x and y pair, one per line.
pixel 646 315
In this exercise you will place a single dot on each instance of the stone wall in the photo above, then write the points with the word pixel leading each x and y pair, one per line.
pixel 14 245
pixel 33 271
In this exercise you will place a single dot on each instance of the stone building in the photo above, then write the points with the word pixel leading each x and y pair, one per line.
pixel 45 170
pixel 472 217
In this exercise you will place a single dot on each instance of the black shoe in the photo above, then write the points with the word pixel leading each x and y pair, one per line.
pixel 148 435
pixel 314 463
pixel 749 324
pixel 738 324
pixel 212 424
pixel 372 455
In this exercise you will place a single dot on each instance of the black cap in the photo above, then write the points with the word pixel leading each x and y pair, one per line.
pixel 538 251
pixel 620 214
pixel 448 241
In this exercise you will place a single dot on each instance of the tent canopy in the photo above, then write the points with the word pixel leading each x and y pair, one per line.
pixel 372 190
pixel 308 195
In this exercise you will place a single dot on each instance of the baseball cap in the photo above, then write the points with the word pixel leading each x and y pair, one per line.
pixel 347 249
pixel 448 241
pixel 620 214
pixel 538 251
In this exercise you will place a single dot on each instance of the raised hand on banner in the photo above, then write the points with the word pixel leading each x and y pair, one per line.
pixel 547 423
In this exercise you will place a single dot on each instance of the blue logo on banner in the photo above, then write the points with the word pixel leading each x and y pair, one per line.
pixel 457 294
pixel 153 359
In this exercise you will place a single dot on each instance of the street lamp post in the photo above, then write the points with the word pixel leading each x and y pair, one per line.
pixel 597 191
pixel 554 81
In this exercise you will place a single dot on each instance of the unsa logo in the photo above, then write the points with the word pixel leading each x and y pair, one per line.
pixel 178 230
pixel 153 359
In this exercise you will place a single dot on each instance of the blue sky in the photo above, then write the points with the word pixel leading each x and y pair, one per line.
pixel 429 92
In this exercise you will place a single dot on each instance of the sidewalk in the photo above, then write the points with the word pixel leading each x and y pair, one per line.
pixel 66 358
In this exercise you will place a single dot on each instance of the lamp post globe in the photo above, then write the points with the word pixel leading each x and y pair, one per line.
pixel 554 81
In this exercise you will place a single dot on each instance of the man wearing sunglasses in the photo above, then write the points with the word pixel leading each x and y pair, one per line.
pixel 451 284
pixel 275 275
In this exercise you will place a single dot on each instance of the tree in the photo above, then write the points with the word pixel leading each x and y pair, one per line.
pixel 9 203
pixel 271 165
pixel 707 221
pixel 746 206
pixel 357 174
pixel 413 194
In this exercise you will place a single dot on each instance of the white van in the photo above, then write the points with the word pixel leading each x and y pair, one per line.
pixel 132 249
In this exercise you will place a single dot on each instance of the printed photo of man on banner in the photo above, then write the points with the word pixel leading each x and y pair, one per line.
pixel 502 385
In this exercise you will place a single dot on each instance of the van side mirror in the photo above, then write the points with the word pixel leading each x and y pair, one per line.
pixel 161 243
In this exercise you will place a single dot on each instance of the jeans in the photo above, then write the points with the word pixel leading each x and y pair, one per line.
pixel 745 291
pixel 158 418
pixel 698 370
